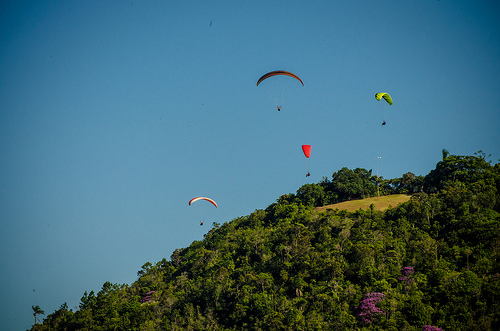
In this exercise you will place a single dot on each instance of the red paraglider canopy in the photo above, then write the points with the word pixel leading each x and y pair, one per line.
pixel 279 72
pixel 307 150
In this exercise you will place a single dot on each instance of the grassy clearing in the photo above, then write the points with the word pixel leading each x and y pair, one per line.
pixel 380 203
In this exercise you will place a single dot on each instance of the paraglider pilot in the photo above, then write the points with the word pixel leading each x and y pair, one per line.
pixel 308 174
pixel 383 123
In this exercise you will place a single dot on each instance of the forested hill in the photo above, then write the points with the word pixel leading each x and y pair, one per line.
pixel 430 263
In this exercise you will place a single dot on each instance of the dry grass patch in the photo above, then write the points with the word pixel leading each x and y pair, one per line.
pixel 380 203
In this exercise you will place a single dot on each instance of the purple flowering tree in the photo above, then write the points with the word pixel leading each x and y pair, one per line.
pixel 407 275
pixel 367 312
pixel 431 328
pixel 148 297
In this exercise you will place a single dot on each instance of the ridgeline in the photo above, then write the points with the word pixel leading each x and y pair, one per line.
pixel 430 262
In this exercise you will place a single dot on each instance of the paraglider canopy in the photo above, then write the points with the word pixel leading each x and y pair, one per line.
pixel 203 198
pixel 276 73
pixel 384 95
pixel 307 150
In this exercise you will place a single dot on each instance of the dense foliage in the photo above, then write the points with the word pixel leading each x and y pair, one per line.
pixel 431 263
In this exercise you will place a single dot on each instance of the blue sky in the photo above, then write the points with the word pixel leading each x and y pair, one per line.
pixel 114 114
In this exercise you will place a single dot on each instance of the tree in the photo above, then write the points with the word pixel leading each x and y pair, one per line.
pixel 311 195
pixel 367 311
pixel 464 169
pixel 445 153
pixel 353 184
pixel 37 311
pixel 61 319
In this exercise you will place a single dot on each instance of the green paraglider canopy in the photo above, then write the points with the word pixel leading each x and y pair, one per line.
pixel 384 95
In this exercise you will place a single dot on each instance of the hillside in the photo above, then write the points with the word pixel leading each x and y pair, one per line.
pixel 380 203
pixel 431 263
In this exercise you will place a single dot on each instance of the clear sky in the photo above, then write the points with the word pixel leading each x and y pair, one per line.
pixel 114 114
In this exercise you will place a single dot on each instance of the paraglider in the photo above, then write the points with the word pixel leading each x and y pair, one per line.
pixel 306 149
pixel 203 198
pixel 384 95
pixel 279 96
pixel 279 72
